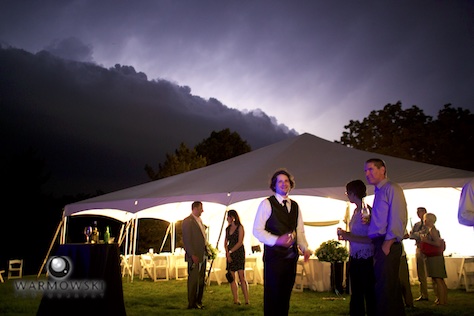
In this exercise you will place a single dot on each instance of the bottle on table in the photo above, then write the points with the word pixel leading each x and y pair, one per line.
pixel 95 233
pixel 107 235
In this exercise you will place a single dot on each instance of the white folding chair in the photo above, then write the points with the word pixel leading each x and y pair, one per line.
pixel 1 276
pixel 180 266
pixel 466 274
pixel 251 268
pixel 300 277
pixel 146 267
pixel 161 263
pixel 126 264
pixel 215 271
pixel 15 268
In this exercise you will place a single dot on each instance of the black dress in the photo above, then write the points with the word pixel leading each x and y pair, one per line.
pixel 238 256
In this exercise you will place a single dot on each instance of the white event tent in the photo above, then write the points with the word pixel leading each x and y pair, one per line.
pixel 321 170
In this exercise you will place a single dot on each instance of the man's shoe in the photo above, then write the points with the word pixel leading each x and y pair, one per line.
pixel 421 298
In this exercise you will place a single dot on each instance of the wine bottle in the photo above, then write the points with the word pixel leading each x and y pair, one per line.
pixel 106 235
pixel 95 233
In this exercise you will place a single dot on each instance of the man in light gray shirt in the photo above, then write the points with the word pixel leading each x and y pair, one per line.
pixel 386 229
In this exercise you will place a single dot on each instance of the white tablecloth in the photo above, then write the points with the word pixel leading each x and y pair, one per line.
pixel 318 274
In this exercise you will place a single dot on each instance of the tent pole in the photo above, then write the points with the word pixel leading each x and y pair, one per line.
pixel 119 237
pixel 51 245
pixel 217 246
pixel 62 237
pixel 166 236
pixel 134 241
pixel 173 237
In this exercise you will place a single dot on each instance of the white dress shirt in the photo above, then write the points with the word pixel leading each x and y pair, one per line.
pixel 263 214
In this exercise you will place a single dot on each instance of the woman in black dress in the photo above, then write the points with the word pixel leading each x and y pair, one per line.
pixel 235 254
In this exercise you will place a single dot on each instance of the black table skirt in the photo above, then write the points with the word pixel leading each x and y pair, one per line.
pixel 99 262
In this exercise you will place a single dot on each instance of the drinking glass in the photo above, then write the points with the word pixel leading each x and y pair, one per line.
pixel 88 233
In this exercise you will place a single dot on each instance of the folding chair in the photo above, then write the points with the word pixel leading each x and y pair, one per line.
pixel 15 269
pixel 300 276
pixel 180 265
pixel 1 277
pixel 216 273
pixel 251 268
pixel 161 263
pixel 466 274
pixel 146 267
pixel 126 264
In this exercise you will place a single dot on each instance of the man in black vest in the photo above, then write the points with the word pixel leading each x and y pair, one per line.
pixel 280 227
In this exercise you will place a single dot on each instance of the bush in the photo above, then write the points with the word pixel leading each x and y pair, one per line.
pixel 332 251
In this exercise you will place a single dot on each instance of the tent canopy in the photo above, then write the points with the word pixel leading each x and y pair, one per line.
pixel 321 168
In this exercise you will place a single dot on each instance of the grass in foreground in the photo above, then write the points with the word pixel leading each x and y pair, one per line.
pixel 170 298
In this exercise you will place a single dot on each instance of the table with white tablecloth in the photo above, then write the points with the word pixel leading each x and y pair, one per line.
pixel 318 274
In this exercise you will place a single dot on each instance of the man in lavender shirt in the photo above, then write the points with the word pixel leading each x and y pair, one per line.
pixel 386 229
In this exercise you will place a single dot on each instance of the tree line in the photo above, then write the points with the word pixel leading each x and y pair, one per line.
pixel 446 141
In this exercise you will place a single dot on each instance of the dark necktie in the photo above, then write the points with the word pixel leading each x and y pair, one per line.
pixel 284 205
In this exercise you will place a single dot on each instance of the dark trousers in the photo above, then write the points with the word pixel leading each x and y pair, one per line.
pixel 279 278
pixel 405 282
pixel 362 280
pixel 388 294
pixel 196 279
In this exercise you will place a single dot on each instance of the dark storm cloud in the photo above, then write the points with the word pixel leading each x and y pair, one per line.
pixel 71 48
pixel 329 61
pixel 97 128
pixel 312 65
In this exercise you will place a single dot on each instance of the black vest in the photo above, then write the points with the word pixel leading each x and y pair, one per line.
pixel 281 222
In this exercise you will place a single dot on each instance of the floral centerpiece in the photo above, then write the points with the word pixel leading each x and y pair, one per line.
pixel 332 251
pixel 211 252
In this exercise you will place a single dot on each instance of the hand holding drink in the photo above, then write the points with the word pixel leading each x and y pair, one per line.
pixel 339 233
pixel 365 215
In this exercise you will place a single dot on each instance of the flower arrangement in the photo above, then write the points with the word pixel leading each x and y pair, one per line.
pixel 332 251
pixel 211 252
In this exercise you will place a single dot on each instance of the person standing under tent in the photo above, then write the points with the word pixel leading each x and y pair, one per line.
pixel 435 265
pixel 386 229
pixel 418 229
pixel 235 255
pixel 194 239
pixel 279 226
pixel 466 204
pixel 361 259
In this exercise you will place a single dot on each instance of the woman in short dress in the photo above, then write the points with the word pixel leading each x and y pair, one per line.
pixel 435 266
pixel 235 255
pixel 361 264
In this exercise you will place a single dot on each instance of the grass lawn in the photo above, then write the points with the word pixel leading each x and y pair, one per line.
pixel 169 298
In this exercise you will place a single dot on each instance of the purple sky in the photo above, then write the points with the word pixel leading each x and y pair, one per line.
pixel 312 65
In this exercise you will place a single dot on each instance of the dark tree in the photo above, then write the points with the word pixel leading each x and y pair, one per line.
pixel 453 138
pixel 221 146
pixel 183 160
pixel 410 134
